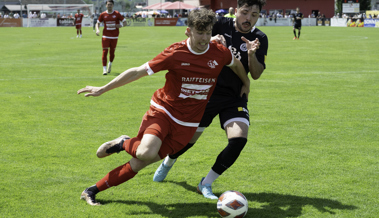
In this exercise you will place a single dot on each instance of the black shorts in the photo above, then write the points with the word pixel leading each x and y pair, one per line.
pixel 297 26
pixel 227 108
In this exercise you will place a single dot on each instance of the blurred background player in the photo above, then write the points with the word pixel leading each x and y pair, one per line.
pixel 112 22
pixel 249 45
pixel 177 108
pixel 78 23
pixel 95 17
pixel 297 23
pixel 231 13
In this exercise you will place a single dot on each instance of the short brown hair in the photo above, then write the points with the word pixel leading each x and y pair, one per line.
pixel 201 19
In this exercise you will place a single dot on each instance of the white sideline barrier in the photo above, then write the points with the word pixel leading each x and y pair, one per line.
pixel 50 22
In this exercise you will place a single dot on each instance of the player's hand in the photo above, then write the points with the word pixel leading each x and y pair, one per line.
pixel 219 39
pixel 92 91
pixel 252 46
pixel 119 25
pixel 97 32
pixel 245 90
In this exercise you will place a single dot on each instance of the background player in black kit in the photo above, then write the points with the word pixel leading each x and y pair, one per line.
pixel 297 23
pixel 249 45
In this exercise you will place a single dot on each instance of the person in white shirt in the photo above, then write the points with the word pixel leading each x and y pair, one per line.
pixel 16 15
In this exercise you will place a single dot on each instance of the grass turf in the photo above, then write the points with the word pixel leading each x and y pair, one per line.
pixel 312 149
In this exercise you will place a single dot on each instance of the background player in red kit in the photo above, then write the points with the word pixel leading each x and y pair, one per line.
pixel 78 23
pixel 112 22
pixel 176 109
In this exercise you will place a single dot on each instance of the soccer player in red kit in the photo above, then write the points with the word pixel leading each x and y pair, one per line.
pixel 112 22
pixel 78 23
pixel 176 109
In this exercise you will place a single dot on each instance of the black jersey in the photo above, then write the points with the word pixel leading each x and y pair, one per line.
pixel 298 21
pixel 228 83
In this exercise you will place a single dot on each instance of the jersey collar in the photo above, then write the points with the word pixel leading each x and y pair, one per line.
pixel 194 52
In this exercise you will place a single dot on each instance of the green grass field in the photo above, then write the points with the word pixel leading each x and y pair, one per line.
pixel 312 151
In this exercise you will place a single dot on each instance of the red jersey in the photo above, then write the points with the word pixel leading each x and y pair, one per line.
pixel 110 20
pixel 78 19
pixel 190 80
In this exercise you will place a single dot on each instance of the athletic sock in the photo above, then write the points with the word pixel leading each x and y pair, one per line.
pixel 168 161
pixel 93 189
pixel 104 67
pixel 294 32
pixel 115 177
pixel 210 178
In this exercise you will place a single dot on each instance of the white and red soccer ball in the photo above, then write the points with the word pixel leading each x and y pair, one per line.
pixel 232 204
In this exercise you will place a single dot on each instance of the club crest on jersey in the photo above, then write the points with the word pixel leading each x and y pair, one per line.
pixel 114 16
pixel 243 47
pixel 212 64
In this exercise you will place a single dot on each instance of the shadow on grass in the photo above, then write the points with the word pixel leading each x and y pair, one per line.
pixel 272 205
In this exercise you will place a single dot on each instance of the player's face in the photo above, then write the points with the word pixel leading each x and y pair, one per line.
pixel 199 40
pixel 109 6
pixel 246 18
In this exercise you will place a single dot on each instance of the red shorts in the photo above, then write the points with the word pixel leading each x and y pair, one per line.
pixel 78 26
pixel 174 137
pixel 109 43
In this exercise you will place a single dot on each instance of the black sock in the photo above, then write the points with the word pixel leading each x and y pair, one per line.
pixel 298 34
pixel 116 148
pixel 93 189
pixel 294 32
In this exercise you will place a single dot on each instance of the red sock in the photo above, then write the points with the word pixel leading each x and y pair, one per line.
pixel 115 177
pixel 131 146
pixel 111 54
pixel 104 57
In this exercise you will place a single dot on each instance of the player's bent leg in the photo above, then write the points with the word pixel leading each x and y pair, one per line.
pixel 137 164
pixel 149 147
pixel 111 147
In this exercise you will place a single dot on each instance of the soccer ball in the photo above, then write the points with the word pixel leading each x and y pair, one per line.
pixel 232 204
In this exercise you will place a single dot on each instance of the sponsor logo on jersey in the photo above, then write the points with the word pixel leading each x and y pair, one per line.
pixel 227 35
pixel 243 47
pixel 114 16
pixel 196 91
pixel 185 64
pixel 212 64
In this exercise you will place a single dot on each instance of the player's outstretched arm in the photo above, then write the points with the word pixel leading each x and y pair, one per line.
pixel 238 69
pixel 126 77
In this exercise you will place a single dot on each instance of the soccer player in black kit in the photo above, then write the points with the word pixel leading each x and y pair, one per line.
pixel 297 23
pixel 249 45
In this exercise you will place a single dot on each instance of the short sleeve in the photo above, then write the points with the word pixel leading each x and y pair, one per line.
pixel 160 62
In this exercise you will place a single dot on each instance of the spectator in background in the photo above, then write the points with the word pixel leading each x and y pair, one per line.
pixel 1 16
pixel 95 17
pixel 6 15
pixel 16 15
pixel 11 14
pixel 24 15
pixel 231 13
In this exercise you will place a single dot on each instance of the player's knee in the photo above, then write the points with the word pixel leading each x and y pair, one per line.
pixel 145 154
